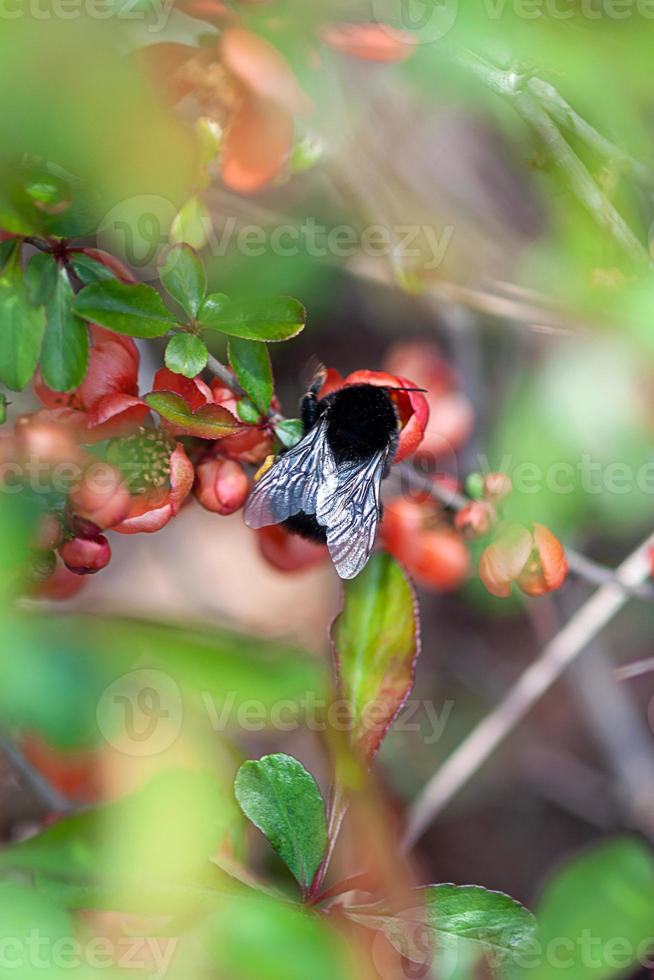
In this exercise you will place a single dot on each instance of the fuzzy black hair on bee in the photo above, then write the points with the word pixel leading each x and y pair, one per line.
pixel 327 487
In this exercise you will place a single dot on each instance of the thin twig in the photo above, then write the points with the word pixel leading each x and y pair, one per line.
pixel 635 669
pixel 558 654
pixel 227 377
pixel 40 788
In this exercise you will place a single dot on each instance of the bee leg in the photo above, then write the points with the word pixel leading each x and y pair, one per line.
pixel 309 406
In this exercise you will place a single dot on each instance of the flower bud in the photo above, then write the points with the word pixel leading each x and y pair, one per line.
pixel 475 519
pixel 221 486
pixel 101 497
pixel 85 556
pixel 288 552
pixel 497 486
pixel 45 442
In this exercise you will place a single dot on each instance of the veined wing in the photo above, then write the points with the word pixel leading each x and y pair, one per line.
pixel 351 513
pixel 293 481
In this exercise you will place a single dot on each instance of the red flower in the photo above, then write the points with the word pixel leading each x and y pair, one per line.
pixel 432 552
pixel 164 487
pixel 532 558
pixel 247 86
pixel 106 404
pixel 451 416
pixel 412 406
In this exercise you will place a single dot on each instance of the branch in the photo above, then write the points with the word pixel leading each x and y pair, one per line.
pixel 518 88
pixel 227 377
pixel 39 787
pixel 558 654
pixel 563 113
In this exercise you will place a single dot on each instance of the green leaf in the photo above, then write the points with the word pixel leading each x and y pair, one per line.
pixel 40 278
pixel 467 920
pixel 186 354
pixel 289 432
pixel 26 915
pixel 183 277
pixel 137 311
pixel 65 353
pixel 250 362
pixel 191 225
pixel 208 422
pixel 90 270
pixel 21 330
pixel 247 412
pixel 254 937
pixel 7 249
pixel 376 642
pixel 136 845
pixel 260 318
pixel 596 914
pixel 282 799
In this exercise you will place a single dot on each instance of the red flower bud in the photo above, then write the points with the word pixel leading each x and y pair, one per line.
pixel 289 552
pixel 533 559
pixel 221 486
pixel 101 497
pixel 85 556
pixel 475 519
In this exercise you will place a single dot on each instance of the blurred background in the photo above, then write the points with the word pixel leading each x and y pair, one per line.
pixel 475 180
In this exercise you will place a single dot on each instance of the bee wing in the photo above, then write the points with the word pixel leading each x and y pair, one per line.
pixel 351 513
pixel 293 481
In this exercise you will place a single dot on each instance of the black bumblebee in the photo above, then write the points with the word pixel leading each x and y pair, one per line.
pixel 327 487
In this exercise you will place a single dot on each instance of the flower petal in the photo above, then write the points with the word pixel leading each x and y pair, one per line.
pixel 371 42
pixel 263 70
pixel 182 475
pixel 256 145
pixel 115 415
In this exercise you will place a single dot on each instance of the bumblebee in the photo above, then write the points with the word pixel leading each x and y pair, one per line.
pixel 328 487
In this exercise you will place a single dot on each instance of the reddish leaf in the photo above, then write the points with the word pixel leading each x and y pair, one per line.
pixel 207 422
pixel 376 641
pixel 118 268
